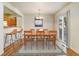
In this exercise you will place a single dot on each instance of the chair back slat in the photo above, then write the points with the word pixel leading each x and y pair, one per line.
pixel 52 32
pixel 27 32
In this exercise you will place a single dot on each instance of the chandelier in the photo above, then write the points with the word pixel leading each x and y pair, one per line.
pixel 38 17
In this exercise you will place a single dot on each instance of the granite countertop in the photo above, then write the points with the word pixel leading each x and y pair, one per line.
pixel 10 29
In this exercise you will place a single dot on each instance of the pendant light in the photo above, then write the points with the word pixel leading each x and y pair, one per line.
pixel 38 17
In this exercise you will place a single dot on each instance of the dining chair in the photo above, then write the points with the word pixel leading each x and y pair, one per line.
pixel 52 38
pixel 40 38
pixel 33 32
pixel 46 37
pixel 28 38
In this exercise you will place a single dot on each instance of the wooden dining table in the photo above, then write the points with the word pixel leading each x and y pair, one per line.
pixel 45 34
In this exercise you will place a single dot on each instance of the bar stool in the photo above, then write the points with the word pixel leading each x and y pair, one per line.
pixel 19 33
pixel 11 40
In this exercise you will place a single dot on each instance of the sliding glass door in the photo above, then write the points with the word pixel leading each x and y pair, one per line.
pixel 62 30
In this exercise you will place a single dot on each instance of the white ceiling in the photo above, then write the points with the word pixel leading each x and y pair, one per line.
pixel 8 11
pixel 32 7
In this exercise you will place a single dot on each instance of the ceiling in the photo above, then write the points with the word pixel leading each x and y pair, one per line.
pixel 8 11
pixel 32 7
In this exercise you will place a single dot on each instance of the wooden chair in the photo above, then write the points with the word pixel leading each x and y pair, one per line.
pixel 46 36
pixel 40 38
pixel 28 38
pixel 52 38
pixel 33 31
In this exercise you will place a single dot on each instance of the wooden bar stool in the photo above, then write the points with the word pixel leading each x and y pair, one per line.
pixel 11 40
pixel 20 34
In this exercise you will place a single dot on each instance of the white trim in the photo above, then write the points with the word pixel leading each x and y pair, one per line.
pixel 1 52
pixel 12 8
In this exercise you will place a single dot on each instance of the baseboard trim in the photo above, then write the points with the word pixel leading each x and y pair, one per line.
pixel 1 53
pixel 71 52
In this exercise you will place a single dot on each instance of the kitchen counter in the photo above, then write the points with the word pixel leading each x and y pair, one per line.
pixel 10 29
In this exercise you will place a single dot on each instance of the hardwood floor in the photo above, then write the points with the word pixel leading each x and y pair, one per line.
pixel 13 48
pixel 71 52
pixel 33 50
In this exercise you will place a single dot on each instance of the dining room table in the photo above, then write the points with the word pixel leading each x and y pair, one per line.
pixel 42 36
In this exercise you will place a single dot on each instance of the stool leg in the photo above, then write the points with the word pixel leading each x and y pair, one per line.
pixel 16 36
pixel 5 40
pixel 48 41
pixel 31 42
pixel 24 42
pixel 20 35
pixel 49 44
pixel 37 42
pixel 43 42
pixel 12 42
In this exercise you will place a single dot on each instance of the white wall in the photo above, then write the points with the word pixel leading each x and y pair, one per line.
pixel 20 16
pixel 29 22
pixel 73 24
pixel 19 21
pixel 1 30
pixel 12 8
